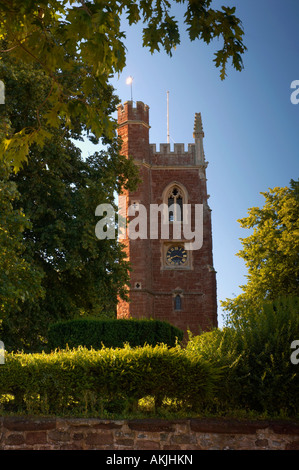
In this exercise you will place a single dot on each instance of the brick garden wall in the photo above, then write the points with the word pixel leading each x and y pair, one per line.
pixel 18 433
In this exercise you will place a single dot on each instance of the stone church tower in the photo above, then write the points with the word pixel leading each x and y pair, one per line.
pixel 169 281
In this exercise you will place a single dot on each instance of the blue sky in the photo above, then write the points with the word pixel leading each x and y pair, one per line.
pixel 251 127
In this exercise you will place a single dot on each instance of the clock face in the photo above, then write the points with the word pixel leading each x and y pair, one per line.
pixel 176 256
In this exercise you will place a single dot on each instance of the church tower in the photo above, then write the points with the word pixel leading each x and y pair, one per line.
pixel 172 275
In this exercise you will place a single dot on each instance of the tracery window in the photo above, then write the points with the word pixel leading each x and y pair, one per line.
pixel 175 204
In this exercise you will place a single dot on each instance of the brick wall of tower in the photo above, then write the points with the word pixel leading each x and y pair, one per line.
pixel 198 285
pixel 133 129
pixel 152 287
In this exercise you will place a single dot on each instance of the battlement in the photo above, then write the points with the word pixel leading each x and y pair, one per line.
pixel 132 111
pixel 133 129
pixel 178 149
pixel 178 156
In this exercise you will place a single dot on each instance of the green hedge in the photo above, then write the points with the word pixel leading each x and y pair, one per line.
pixel 256 356
pixel 243 368
pixel 112 333
pixel 83 381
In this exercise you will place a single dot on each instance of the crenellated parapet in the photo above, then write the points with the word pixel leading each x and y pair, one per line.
pixel 133 113
pixel 178 149
pixel 164 156
pixel 178 156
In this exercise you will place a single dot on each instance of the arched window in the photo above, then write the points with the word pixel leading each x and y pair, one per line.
pixel 178 302
pixel 175 204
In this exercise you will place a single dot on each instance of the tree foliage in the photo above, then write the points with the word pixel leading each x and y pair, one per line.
pixel 255 355
pixel 271 252
pixel 58 192
pixel 112 333
pixel 65 37
pixel 18 280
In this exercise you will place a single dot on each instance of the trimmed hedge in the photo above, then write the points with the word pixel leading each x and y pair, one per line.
pixel 246 367
pixel 111 333
pixel 83 381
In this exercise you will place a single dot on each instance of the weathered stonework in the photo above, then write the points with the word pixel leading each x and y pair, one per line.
pixel 18 433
